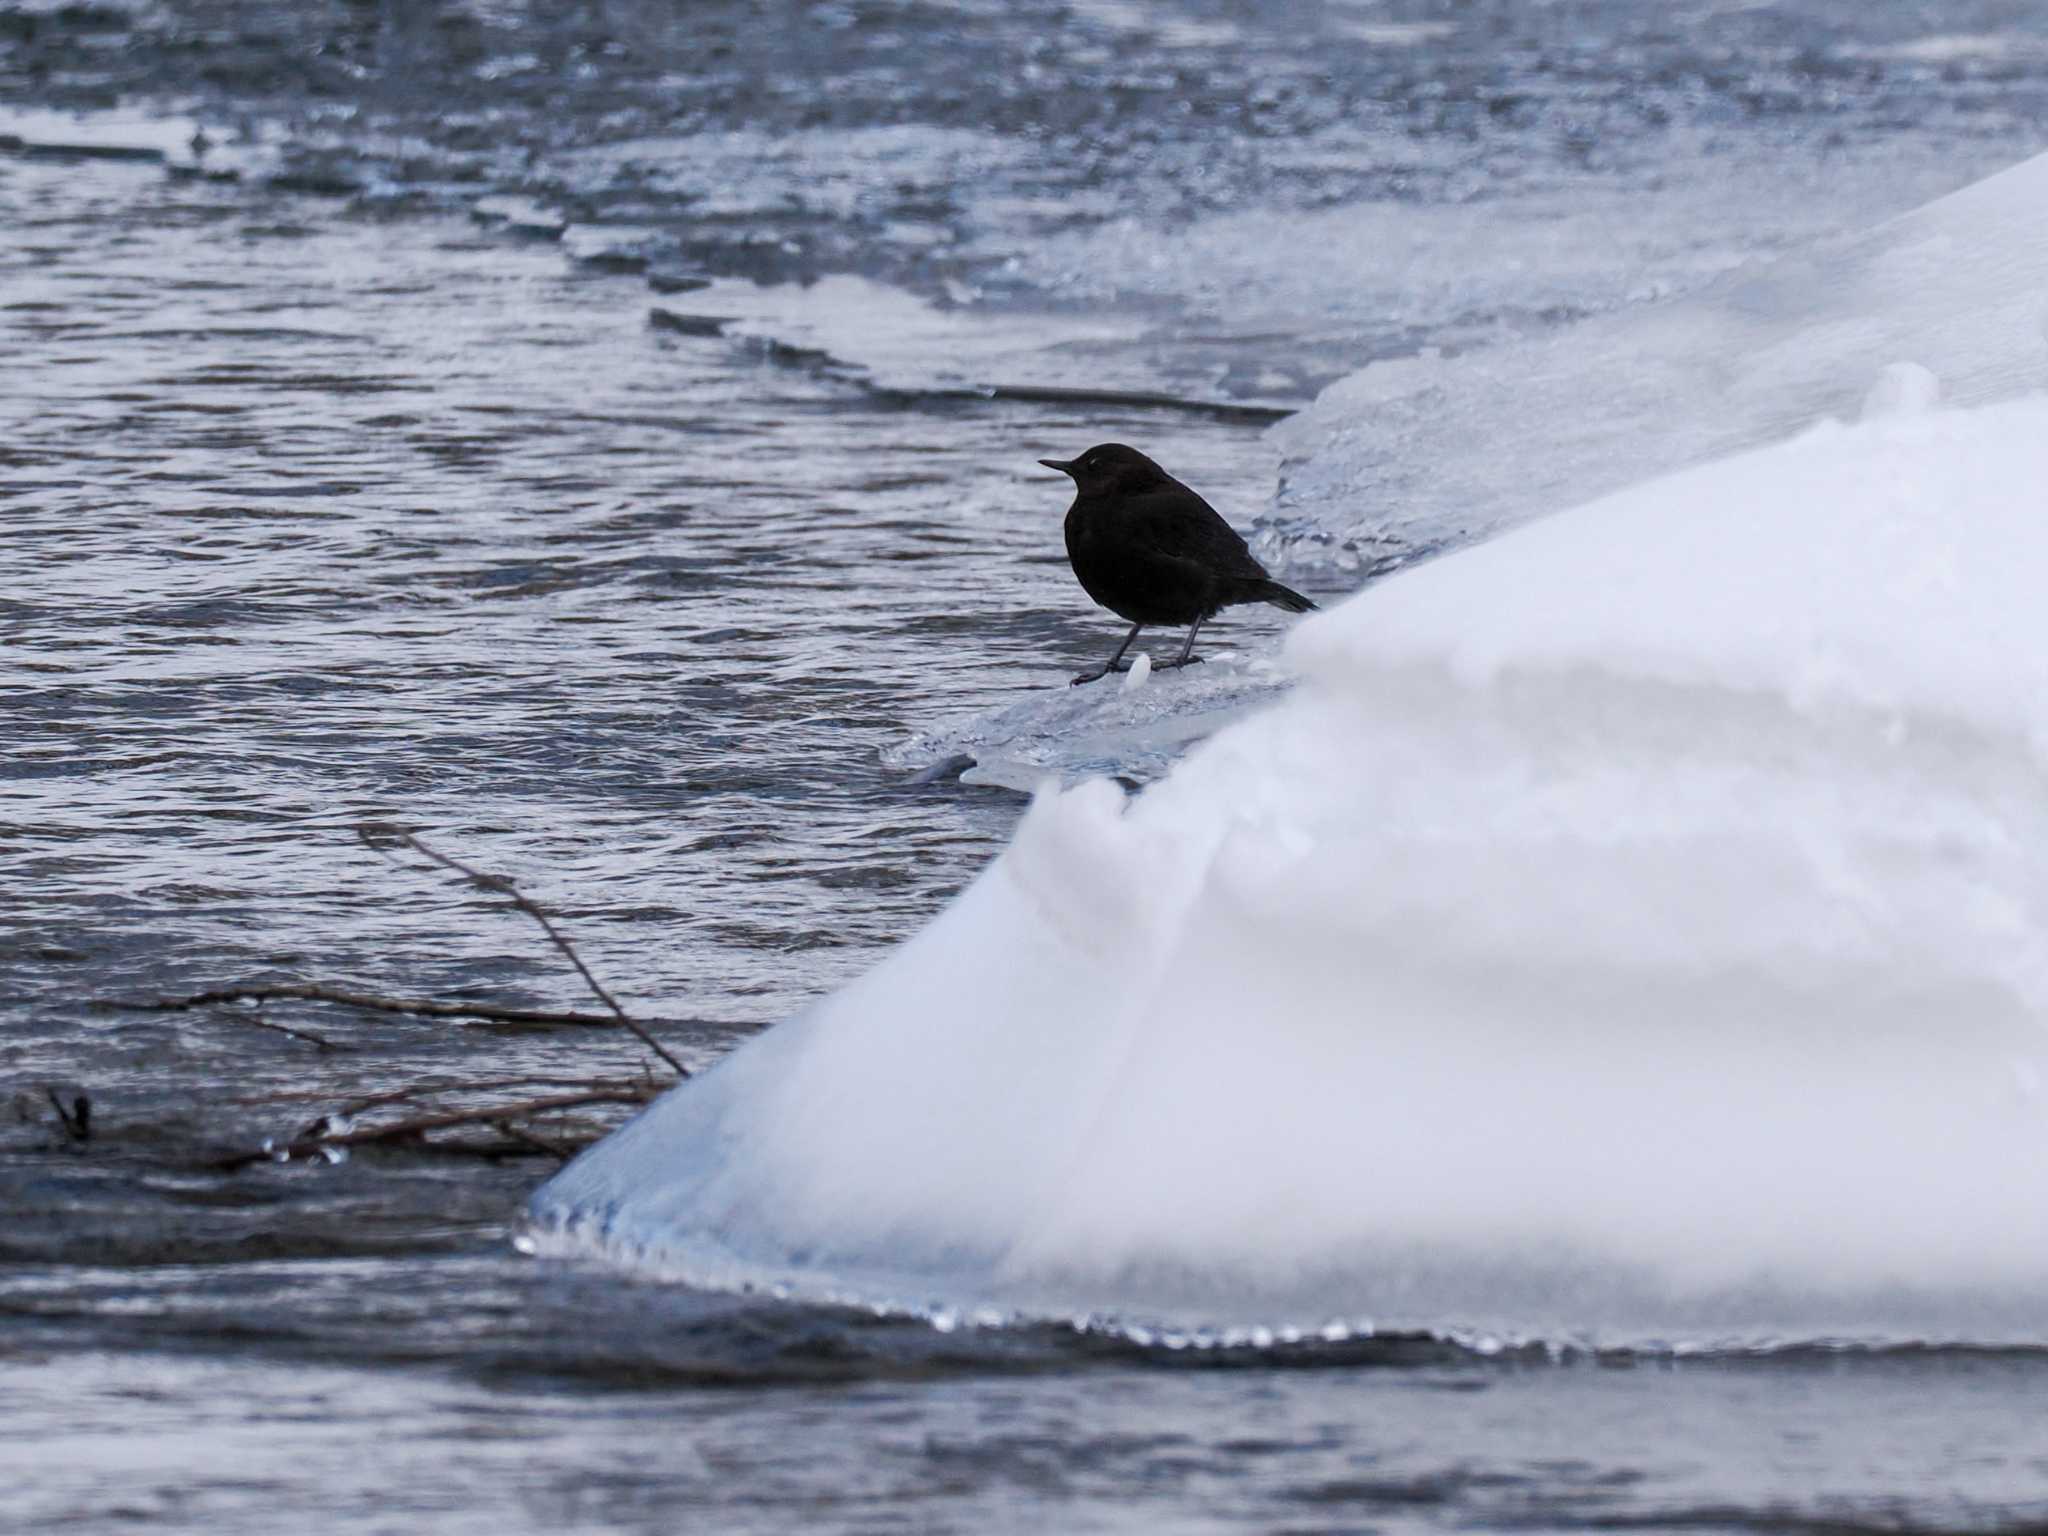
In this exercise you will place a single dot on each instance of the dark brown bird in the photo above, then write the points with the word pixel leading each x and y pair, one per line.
pixel 1150 550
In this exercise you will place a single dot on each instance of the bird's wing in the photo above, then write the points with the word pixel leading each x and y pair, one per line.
pixel 1172 521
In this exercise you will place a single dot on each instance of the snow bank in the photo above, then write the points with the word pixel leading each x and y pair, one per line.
pixel 1634 928
pixel 1423 452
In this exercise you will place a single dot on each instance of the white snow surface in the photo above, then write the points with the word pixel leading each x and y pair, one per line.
pixel 1435 450
pixel 1633 929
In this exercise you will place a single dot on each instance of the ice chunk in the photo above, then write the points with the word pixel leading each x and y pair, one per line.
pixel 1633 928
pixel 1425 452
pixel 1133 732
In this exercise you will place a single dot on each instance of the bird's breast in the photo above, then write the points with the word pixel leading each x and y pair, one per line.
pixel 1130 578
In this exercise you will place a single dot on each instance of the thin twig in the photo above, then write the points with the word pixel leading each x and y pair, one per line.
pixel 421 1124
pixel 257 1021
pixel 502 885
pixel 490 1151
pixel 451 1086
pixel 317 992
pixel 417 1127
pixel 450 1089
pixel 552 1148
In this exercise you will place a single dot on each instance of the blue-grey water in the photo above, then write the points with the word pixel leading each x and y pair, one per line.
pixel 348 473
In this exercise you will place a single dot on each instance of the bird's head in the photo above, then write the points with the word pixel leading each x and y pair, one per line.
pixel 1109 467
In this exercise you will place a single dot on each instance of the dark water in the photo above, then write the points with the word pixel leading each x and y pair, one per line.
pixel 323 500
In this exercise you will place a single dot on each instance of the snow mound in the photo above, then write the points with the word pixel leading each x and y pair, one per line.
pixel 1634 929
pixel 1428 451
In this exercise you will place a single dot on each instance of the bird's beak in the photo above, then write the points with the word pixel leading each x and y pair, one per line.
pixel 1064 466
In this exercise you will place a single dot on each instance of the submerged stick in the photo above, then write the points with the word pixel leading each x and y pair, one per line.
pixel 319 1042
pixel 538 1142
pixel 635 1090
pixel 321 1135
pixel 455 1085
pixel 427 1108
pixel 316 992
pixel 377 836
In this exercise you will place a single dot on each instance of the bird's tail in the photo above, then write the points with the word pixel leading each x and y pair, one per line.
pixel 1266 590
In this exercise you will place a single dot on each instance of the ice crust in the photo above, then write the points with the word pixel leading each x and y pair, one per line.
pixel 1429 451
pixel 1633 929
pixel 1134 729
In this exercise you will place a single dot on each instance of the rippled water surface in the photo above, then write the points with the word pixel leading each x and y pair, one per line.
pixel 334 489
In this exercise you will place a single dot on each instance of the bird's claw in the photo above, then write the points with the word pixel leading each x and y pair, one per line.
pixel 1102 671
pixel 1168 666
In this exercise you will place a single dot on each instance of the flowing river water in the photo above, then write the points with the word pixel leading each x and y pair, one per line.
pixel 562 429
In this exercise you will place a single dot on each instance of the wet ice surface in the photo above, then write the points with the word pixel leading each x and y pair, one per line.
pixel 1939 303
pixel 1132 728
pixel 327 498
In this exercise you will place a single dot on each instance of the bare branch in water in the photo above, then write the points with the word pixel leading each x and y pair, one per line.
pixel 537 1142
pixel 323 1134
pixel 379 837
pixel 629 1089
pixel 433 1087
pixel 414 1116
pixel 321 1042
pixel 317 992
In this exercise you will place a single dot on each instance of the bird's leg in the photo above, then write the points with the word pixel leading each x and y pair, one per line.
pixel 1187 647
pixel 1115 663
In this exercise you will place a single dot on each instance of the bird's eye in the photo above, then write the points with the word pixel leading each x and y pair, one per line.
pixel 1092 464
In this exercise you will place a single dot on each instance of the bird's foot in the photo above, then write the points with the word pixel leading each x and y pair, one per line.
pixel 1102 671
pixel 1168 666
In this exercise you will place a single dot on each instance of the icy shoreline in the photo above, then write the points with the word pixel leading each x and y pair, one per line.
pixel 1633 928
pixel 1416 456
pixel 1628 949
